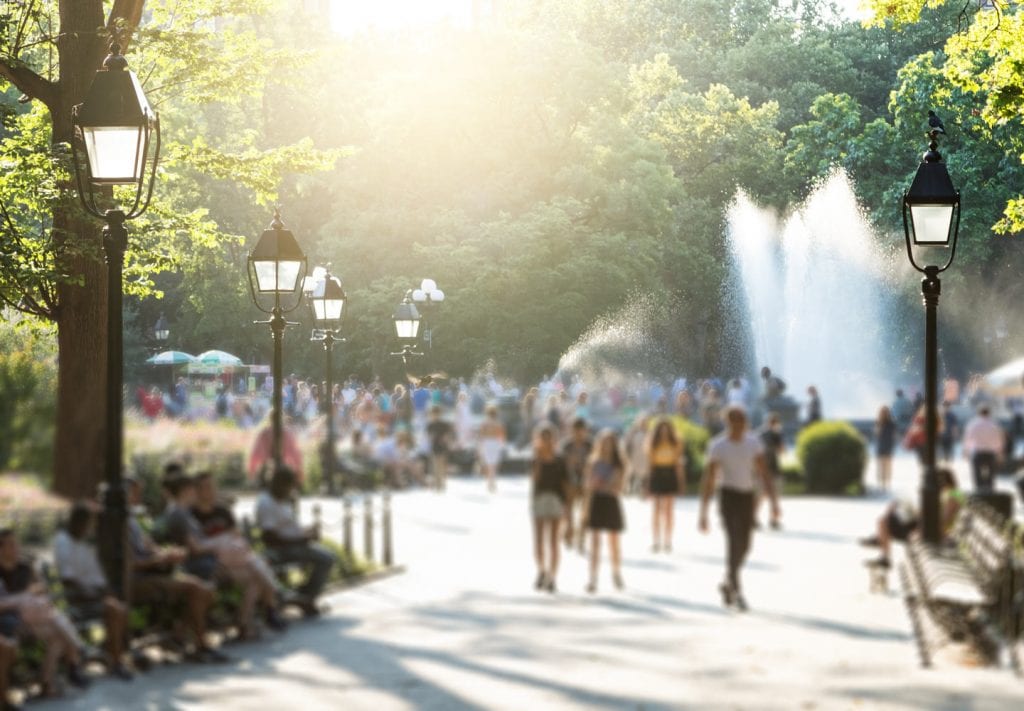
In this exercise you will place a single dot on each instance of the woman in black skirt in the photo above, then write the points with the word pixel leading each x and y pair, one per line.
pixel 665 481
pixel 604 478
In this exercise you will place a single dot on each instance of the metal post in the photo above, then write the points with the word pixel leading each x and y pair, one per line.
pixel 329 454
pixel 368 526
pixel 115 508
pixel 346 523
pixel 386 527
pixel 930 514
pixel 277 324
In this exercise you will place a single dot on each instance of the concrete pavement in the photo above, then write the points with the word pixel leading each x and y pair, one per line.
pixel 463 628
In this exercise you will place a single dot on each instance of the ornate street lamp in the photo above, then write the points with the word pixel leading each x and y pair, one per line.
pixel 161 331
pixel 276 266
pixel 120 135
pixel 426 298
pixel 406 318
pixel 327 301
pixel 931 225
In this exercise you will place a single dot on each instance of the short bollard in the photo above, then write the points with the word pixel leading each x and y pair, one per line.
pixel 368 527
pixel 346 525
pixel 386 526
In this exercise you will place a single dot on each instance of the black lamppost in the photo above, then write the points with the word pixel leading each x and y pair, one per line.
pixel 931 224
pixel 120 134
pixel 426 298
pixel 161 332
pixel 406 318
pixel 276 267
pixel 327 300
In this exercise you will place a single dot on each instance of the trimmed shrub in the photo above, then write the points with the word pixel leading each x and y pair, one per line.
pixel 833 456
pixel 696 440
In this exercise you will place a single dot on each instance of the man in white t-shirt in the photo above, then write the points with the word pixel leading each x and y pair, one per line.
pixel 735 461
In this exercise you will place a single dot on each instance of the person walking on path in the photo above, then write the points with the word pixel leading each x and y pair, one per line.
pixel 664 481
pixel 984 441
pixel 735 459
pixel 549 480
pixel 774 444
pixel 950 431
pixel 442 439
pixel 813 406
pixel 491 445
pixel 885 443
pixel 576 450
pixel 604 477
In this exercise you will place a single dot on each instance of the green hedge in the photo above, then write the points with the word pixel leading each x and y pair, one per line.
pixel 833 456
pixel 696 440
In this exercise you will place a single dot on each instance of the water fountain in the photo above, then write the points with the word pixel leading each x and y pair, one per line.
pixel 815 292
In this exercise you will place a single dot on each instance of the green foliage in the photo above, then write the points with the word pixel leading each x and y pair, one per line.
pixel 28 386
pixel 696 439
pixel 832 456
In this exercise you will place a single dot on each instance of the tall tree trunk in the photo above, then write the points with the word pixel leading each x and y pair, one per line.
pixel 81 318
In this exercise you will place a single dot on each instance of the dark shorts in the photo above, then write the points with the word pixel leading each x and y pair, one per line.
pixel 664 481
pixel 9 623
pixel 203 566
pixel 900 529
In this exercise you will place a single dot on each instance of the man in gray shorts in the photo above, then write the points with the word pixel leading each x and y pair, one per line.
pixel 734 462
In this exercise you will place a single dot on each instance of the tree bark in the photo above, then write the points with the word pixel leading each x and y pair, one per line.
pixel 81 314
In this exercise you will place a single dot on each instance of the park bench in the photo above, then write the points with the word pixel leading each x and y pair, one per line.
pixel 967 590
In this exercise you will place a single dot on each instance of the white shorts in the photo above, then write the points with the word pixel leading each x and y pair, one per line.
pixel 547 505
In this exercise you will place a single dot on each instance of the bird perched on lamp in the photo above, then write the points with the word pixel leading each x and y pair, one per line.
pixel 935 123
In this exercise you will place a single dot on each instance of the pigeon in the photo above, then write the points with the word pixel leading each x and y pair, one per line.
pixel 426 380
pixel 935 123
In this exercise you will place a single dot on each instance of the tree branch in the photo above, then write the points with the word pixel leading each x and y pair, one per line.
pixel 130 12
pixel 28 82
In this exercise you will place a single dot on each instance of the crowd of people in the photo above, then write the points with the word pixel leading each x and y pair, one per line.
pixel 577 485
pixel 178 562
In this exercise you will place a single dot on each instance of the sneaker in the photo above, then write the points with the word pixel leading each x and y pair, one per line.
pixel 209 655
pixel 617 579
pixel 141 662
pixel 275 621
pixel 775 525
pixel 542 578
pixel 591 587
pixel 122 672
pixel 880 562
pixel 655 548
pixel 869 542
pixel 78 677
pixel 310 610
pixel 727 594
pixel 741 602
pixel 550 585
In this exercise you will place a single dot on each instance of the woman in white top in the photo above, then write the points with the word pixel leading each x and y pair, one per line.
pixel 85 585
pixel 463 421
pixel 491 445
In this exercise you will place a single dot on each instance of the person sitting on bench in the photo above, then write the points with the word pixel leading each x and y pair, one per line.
pixel 22 593
pixel 226 553
pixel 901 520
pixel 8 652
pixel 85 585
pixel 155 580
pixel 291 542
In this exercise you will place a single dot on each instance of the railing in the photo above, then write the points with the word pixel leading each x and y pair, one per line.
pixel 365 519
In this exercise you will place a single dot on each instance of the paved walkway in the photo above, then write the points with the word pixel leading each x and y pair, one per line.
pixel 463 629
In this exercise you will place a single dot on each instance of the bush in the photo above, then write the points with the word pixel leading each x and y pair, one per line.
pixel 28 399
pixel 696 439
pixel 833 456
